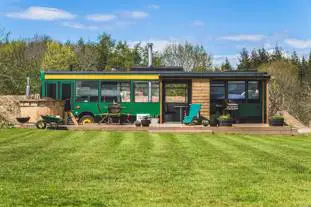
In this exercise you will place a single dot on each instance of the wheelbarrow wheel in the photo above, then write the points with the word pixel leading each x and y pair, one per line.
pixel 41 124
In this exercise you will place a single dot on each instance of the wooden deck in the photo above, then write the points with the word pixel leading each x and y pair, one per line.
pixel 238 128
pixel 179 128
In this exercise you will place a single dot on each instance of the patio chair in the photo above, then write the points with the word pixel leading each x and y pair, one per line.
pixel 193 113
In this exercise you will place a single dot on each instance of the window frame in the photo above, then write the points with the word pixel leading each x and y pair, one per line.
pixel 118 85
pixel 150 88
pixel 88 99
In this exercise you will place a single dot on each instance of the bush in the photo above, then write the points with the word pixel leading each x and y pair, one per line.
pixel 277 118
pixel 225 117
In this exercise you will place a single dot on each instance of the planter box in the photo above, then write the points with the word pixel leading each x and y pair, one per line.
pixel 227 123
pixel 276 122
pixel 145 122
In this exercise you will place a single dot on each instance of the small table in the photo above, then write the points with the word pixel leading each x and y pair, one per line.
pixel 181 111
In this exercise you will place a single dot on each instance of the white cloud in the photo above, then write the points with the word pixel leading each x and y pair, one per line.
pixel 296 43
pixel 135 14
pixel 244 37
pixel 101 17
pixel 75 25
pixel 158 45
pixel 154 6
pixel 41 13
pixel 198 23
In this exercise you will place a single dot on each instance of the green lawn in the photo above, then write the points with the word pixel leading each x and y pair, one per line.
pixel 62 168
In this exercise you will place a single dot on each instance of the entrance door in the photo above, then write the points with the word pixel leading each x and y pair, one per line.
pixel 176 99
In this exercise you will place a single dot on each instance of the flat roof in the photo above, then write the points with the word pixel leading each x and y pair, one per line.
pixel 172 74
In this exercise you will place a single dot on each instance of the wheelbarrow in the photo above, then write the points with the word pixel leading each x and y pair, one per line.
pixel 51 120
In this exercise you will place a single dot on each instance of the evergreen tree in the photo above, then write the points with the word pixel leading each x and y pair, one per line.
pixel 302 69
pixel 264 56
pixel 277 53
pixel 295 59
pixel 226 66
pixel 244 64
pixel 255 61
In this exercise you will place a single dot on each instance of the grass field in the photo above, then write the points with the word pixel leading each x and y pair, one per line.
pixel 62 168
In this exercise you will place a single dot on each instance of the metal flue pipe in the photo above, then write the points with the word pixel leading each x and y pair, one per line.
pixel 28 88
pixel 150 55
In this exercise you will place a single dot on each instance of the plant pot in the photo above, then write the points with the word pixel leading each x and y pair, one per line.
pixel 276 122
pixel 227 123
pixel 23 120
pixel 145 122
pixel 137 123
pixel 205 123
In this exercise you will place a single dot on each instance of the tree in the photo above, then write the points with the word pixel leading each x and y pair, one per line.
pixel 104 48
pixel 295 59
pixel 226 66
pixel 277 53
pixel 58 57
pixel 263 56
pixel 244 59
pixel 87 55
pixel 190 57
pixel 255 60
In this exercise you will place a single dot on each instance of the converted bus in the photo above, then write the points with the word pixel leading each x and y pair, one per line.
pixel 160 92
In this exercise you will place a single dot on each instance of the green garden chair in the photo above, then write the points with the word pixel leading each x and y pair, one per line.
pixel 193 113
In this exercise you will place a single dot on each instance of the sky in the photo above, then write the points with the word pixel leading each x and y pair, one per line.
pixel 223 27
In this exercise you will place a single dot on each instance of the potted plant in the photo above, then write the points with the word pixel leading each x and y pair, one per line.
pixel 213 121
pixel 205 122
pixel 276 120
pixel 145 122
pixel 137 123
pixel 225 120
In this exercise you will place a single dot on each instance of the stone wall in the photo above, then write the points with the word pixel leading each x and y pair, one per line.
pixel 201 95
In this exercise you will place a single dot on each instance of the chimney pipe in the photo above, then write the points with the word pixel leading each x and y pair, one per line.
pixel 150 55
pixel 28 88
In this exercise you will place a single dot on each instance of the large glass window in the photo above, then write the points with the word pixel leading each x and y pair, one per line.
pixel 176 93
pixel 236 90
pixel 115 91
pixel 218 90
pixel 253 90
pixel 146 91
pixel 87 91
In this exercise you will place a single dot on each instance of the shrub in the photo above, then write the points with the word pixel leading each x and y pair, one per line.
pixel 225 117
pixel 277 118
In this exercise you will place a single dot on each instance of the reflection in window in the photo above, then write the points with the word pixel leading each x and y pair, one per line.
pixel 115 91
pixel 146 91
pixel 87 91
pixel 155 92
pixel 176 93
pixel 236 90
pixel 218 90
pixel 141 91
pixel 253 90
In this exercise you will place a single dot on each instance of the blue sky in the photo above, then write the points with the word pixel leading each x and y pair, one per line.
pixel 224 27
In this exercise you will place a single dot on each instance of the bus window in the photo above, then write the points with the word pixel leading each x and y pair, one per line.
pixel 51 90
pixel 115 91
pixel 66 91
pixel 86 91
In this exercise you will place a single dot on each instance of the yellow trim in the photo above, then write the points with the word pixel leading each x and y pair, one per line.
pixel 101 77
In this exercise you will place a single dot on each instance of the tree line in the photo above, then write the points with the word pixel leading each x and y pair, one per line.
pixel 26 57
